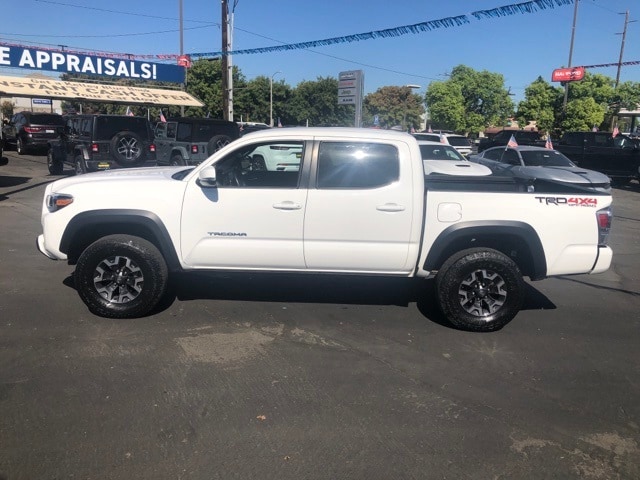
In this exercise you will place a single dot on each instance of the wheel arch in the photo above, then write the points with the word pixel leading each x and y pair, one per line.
pixel 518 240
pixel 87 227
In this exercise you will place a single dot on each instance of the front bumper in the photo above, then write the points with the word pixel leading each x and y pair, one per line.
pixel 40 243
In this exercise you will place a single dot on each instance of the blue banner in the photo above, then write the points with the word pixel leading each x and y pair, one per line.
pixel 69 62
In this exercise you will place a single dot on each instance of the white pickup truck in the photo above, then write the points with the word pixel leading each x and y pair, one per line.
pixel 321 200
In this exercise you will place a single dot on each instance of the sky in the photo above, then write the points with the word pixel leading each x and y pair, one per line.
pixel 520 47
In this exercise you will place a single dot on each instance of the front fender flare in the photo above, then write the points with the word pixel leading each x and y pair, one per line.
pixel 89 226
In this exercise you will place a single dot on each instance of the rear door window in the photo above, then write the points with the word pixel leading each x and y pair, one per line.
pixel 357 165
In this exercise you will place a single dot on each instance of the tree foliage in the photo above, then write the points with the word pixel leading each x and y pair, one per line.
pixel 393 106
pixel 478 99
pixel 316 102
pixel 540 104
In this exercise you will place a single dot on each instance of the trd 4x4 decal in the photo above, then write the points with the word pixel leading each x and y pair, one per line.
pixel 570 201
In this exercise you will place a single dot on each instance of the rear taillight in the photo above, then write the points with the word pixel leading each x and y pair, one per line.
pixel 33 129
pixel 194 148
pixel 95 148
pixel 604 218
pixel 152 148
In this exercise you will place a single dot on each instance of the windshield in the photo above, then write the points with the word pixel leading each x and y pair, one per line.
pixel 107 127
pixel 458 141
pixel 545 158
pixel 46 119
pixel 440 152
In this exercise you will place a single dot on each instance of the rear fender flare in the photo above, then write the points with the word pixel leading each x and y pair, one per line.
pixel 493 234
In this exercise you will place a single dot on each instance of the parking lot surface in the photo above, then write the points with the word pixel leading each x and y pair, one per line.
pixel 283 377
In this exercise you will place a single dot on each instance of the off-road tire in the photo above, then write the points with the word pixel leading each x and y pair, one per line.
pixel 176 160
pixel 54 165
pixel 217 142
pixel 121 276
pixel 78 165
pixel 480 289
pixel 127 149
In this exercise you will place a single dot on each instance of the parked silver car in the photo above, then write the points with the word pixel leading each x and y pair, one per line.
pixel 541 165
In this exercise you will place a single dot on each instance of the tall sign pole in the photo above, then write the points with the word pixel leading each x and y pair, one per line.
pixel 350 88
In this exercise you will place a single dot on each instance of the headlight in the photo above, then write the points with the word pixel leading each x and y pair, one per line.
pixel 57 201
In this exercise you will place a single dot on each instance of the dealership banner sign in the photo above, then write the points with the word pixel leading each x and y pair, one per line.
pixel 69 62
pixel 38 88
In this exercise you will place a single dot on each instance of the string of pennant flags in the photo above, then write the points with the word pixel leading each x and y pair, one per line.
pixel 528 7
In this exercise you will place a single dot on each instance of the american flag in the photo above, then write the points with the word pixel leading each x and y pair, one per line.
pixel 129 113
pixel 615 131
pixel 512 142
pixel 162 117
pixel 548 143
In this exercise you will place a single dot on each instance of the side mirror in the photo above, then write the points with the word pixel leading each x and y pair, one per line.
pixel 207 177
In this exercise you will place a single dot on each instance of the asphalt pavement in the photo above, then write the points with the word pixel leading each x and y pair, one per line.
pixel 282 377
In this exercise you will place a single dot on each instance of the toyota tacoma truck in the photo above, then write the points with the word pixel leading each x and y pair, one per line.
pixel 341 201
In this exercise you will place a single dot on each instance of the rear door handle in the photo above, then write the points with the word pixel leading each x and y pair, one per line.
pixel 287 206
pixel 390 207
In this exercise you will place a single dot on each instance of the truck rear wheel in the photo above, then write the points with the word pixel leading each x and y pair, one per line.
pixel 121 276
pixel 480 289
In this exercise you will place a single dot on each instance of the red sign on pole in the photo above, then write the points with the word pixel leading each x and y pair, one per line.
pixel 572 74
pixel 184 61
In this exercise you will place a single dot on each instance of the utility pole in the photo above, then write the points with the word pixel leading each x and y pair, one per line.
pixel 184 84
pixel 573 34
pixel 227 67
pixel 624 35
pixel 225 60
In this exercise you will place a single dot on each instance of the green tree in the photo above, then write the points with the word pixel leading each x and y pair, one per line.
pixel 582 114
pixel 316 102
pixel 6 109
pixel 540 104
pixel 252 103
pixel 394 106
pixel 478 99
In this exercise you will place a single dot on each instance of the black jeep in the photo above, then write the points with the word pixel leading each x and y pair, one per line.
pixel 190 140
pixel 89 143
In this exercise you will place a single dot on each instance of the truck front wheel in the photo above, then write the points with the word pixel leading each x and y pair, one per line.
pixel 480 289
pixel 121 276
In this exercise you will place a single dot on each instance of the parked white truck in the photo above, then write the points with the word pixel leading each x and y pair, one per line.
pixel 321 200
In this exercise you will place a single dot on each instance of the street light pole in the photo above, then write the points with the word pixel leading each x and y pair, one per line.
pixel 410 87
pixel 271 98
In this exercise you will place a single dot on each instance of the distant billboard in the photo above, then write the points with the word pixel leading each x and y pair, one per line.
pixel 69 62
pixel 572 74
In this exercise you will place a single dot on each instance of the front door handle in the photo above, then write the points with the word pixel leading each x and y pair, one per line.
pixel 287 206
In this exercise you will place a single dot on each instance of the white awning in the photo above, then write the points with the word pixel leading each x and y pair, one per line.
pixel 93 92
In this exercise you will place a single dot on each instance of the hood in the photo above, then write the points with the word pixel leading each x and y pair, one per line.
pixel 451 167
pixel 566 174
pixel 120 175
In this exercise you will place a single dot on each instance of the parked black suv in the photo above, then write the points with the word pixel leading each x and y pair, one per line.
pixel 100 142
pixel 30 131
pixel 618 157
pixel 522 137
pixel 189 140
